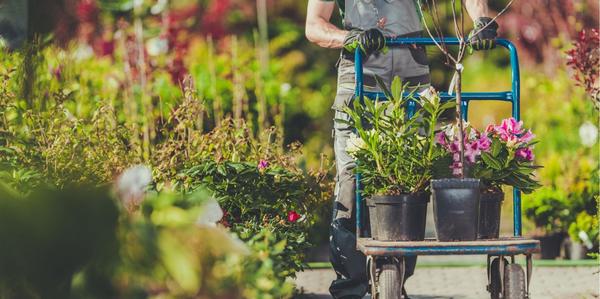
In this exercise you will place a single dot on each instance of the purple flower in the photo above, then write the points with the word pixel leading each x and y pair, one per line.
pixel 484 143
pixel 524 153
pixel 440 138
pixel 263 164
pixel 472 151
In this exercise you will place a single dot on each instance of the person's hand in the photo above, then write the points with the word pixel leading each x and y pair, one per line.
pixel 368 41
pixel 483 39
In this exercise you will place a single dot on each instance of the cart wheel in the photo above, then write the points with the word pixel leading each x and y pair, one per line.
pixel 514 282
pixel 389 282
pixel 495 281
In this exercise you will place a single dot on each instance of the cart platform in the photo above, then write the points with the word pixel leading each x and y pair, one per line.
pixel 501 246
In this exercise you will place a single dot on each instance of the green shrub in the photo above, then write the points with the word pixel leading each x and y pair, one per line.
pixel 258 196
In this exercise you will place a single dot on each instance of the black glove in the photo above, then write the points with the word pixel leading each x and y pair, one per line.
pixel 483 39
pixel 368 41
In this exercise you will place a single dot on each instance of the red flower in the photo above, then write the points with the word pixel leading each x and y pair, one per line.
pixel 88 11
pixel 293 216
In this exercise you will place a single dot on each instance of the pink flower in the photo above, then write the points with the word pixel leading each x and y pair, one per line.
pixel 512 126
pixel 263 164
pixel 454 147
pixel 456 168
pixel 456 157
pixel 292 216
pixel 472 151
pixel 490 128
pixel 484 143
pixel 527 137
pixel 440 138
pixel 508 127
pixel 524 153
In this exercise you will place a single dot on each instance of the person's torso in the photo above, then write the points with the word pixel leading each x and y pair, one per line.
pixel 393 17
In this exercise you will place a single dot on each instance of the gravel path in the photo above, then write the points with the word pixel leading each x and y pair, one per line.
pixel 469 283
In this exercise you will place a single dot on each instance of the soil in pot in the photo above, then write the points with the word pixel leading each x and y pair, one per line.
pixel 401 217
pixel 456 209
pixel 490 206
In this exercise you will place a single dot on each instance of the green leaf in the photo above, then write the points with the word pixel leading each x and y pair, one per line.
pixel 383 87
pixel 490 161
pixel 496 147
pixel 397 88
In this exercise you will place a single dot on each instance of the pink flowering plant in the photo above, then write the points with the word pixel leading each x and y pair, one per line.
pixel 501 155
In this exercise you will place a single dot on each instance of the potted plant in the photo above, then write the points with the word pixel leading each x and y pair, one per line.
pixel 548 208
pixel 499 156
pixel 583 235
pixel 455 197
pixel 394 154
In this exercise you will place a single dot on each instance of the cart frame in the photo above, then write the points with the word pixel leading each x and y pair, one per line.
pixel 501 248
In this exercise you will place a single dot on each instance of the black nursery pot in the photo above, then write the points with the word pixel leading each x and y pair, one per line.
pixel 372 211
pixel 490 207
pixel 456 209
pixel 550 245
pixel 400 217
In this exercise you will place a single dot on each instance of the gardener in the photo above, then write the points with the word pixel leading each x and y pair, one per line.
pixel 366 25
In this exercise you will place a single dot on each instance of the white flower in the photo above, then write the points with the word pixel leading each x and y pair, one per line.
pixel 132 183
pixel 430 94
pixel 285 88
pixel 83 52
pixel 472 134
pixel 157 46
pixel 588 133
pixel 585 239
pixel 354 144
pixel 449 130
pixel 211 213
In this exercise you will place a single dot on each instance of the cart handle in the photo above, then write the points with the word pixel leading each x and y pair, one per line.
pixel 513 96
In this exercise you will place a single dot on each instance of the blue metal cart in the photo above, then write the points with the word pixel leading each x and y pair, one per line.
pixel 385 260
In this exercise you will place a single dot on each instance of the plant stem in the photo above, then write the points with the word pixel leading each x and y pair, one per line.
pixel 459 120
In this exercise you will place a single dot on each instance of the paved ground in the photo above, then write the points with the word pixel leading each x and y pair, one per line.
pixel 469 283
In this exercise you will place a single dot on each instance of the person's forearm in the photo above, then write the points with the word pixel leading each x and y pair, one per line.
pixel 477 8
pixel 325 34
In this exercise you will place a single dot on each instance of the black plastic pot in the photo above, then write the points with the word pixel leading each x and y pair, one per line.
pixel 456 209
pixel 550 245
pixel 372 212
pixel 401 217
pixel 490 206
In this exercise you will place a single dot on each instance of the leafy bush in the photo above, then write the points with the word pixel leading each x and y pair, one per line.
pixel 549 209
pixel 260 196
pixel 585 230
pixel 394 153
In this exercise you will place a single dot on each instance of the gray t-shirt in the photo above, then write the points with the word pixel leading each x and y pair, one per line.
pixel 393 17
